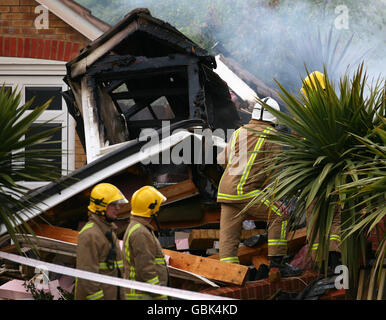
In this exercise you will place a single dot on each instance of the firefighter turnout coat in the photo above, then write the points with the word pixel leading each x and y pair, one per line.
pixel 144 260
pixel 241 181
pixel 91 255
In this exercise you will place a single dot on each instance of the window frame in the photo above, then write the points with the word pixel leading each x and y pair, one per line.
pixel 20 73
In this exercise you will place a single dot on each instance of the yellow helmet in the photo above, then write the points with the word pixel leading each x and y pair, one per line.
pixel 102 195
pixel 146 201
pixel 312 79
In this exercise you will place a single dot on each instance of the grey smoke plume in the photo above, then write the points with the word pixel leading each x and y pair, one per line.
pixel 276 42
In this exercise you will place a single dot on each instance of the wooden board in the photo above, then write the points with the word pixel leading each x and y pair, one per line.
pixel 208 268
pixel 204 238
pixel 183 274
pixel 296 240
pixel 50 239
pixel 259 260
pixel 57 233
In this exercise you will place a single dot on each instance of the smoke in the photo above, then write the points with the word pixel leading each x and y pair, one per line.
pixel 275 40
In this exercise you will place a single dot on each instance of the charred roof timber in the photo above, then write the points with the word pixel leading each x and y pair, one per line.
pixel 140 72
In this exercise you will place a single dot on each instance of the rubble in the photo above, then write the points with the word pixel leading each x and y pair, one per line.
pixel 137 75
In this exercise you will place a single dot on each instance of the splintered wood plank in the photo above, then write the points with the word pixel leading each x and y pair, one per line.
pixel 296 240
pixel 57 233
pixel 204 238
pixel 208 268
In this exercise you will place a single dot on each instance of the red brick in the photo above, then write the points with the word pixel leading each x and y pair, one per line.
pixel 47 49
pixel 7 47
pixel 18 16
pixel 46 31
pixel 10 2
pixel 40 47
pixel 57 23
pixel 54 49
pixel 67 51
pixel 20 47
pixel 63 30
pixel 21 9
pixel 28 31
pixel 75 50
pixel 252 293
pixel 10 31
pixel 29 2
pixel 1 46
pixel 4 9
pixel 27 47
pixel 60 50
pixel 34 48
pixel 22 23
pixel 13 47
pixel 5 23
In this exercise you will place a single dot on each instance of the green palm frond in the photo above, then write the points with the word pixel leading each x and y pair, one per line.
pixel 19 162
pixel 323 152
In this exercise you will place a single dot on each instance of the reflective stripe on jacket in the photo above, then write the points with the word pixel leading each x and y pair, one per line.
pixel 91 253
pixel 144 260
pixel 241 180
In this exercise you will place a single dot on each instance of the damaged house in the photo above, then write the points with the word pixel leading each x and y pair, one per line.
pixel 145 74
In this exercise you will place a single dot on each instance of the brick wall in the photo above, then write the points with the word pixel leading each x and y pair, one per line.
pixel 20 38
pixel 263 289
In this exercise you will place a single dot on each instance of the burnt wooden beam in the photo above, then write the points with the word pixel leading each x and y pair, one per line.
pixel 114 85
pixel 194 89
pixel 111 70
pixel 149 93
pixel 137 107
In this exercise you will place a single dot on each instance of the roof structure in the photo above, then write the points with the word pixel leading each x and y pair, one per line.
pixel 77 16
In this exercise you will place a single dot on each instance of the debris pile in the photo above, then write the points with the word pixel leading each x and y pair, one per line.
pixel 138 75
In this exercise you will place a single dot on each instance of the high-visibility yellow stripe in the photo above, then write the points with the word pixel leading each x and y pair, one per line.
pixel 230 259
pixel 159 261
pixel 139 296
pixel 283 234
pixel 335 237
pixel 315 246
pixel 127 247
pixel 117 264
pixel 277 242
pixel 235 135
pixel 87 226
pixel 251 194
pixel 251 160
pixel 95 296
pixel 155 280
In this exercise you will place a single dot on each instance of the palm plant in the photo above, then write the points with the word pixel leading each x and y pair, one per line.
pixel 369 190
pixel 20 161
pixel 318 159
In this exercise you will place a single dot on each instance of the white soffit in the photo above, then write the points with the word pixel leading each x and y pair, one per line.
pixel 28 66
pixel 234 82
pixel 72 18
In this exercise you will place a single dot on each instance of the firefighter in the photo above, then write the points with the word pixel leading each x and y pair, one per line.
pixel 144 260
pixel 241 182
pixel 98 248
pixel 314 81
